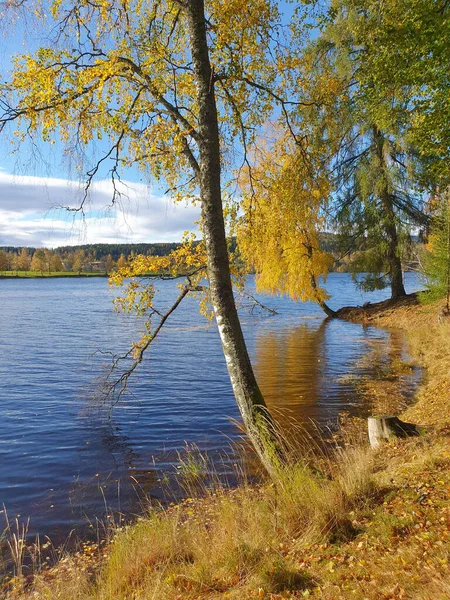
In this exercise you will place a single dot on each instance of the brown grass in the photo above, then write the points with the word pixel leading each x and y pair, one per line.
pixel 233 544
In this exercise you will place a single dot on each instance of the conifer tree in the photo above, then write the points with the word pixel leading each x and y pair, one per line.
pixel 436 264
pixel 377 199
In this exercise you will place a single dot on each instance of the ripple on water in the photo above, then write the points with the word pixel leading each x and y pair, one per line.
pixel 62 460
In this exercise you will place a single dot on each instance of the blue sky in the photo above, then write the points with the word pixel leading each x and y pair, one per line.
pixel 29 217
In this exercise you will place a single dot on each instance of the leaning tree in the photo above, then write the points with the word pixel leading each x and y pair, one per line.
pixel 178 88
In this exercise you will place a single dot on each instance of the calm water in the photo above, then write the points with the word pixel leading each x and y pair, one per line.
pixel 62 460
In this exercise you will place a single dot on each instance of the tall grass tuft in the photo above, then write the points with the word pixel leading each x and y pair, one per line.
pixel 15 535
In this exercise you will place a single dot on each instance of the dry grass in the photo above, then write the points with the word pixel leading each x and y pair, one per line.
pixel 380 529
pixel 428 335
pixel 233 543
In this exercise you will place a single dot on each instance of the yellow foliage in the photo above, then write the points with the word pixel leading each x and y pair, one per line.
pixel 279 233
pixel 187 262
pixel 125 77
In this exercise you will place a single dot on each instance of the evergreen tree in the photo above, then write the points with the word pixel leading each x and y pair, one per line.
pixel 377 201
pixel 437 260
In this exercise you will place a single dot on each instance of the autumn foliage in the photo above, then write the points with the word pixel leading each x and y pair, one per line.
pixel 285 206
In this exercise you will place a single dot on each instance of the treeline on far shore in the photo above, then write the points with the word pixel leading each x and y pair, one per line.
pixel 88 258
pixel 20 261
pixel 105 258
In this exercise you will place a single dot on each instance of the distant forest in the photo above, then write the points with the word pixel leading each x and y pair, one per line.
pixel 106 257
pixel 101 251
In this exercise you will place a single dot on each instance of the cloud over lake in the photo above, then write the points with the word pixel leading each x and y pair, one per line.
pixel 31 213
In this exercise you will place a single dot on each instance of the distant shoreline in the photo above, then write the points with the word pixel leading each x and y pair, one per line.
pixel 31 275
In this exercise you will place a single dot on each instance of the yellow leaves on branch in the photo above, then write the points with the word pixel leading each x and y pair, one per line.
pixel 252 20
pixel 188 263
pixel 121 72
pixel 279 233
pixel 188 260
pixel 108 83
pixel 138 298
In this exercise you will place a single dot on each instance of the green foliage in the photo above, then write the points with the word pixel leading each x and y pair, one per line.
pixel 436 264
pixel 379 168
pixel 405 73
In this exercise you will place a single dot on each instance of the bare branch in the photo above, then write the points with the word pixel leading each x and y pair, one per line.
pixel 115 389
pixel 255 304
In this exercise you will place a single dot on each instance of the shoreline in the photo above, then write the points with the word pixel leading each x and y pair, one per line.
pixel 377 310
pixel 53 276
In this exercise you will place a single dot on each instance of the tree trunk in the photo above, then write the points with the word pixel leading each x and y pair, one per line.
pixel 257 419
pixel 395 265
pixel 323 305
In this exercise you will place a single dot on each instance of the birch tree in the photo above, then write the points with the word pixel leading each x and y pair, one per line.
pixel 177 88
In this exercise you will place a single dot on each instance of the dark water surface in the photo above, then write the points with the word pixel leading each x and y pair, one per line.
pixel 62 461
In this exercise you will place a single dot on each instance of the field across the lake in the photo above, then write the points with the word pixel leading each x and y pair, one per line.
pixel 44 274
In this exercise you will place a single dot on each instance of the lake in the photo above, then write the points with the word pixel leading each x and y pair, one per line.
pixel 64 463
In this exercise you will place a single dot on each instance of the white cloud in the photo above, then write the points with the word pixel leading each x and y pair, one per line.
pixel 29 213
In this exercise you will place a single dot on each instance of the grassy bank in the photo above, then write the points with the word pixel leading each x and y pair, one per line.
pixel 374 525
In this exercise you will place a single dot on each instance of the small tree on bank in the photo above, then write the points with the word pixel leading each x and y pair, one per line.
pixel 436 263
pixel 122 262
pixel 22 261
pixel 4 262
pixel 78 261
pixel 39 261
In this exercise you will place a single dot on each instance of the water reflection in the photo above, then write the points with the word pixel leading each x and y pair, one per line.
pixel 308 373
pixel 289 368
